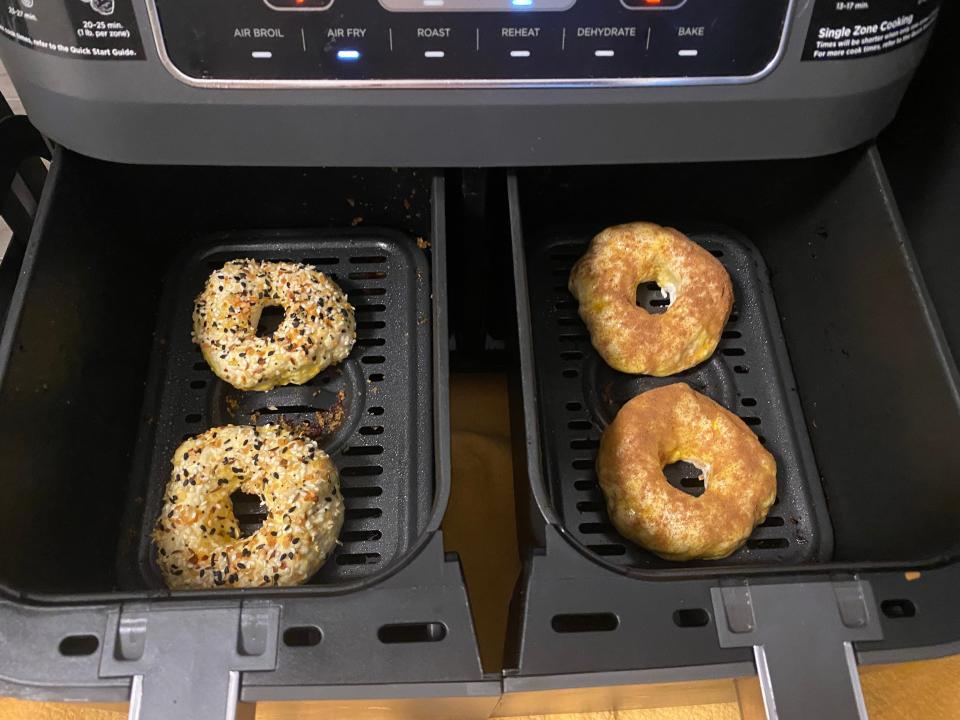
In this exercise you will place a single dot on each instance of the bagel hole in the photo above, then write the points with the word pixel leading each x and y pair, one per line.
pixel 270 320
pixel 652 298
pixel 686 477
pixel 250 512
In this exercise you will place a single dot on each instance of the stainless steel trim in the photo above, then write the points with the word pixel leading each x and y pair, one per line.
pixel 136 698
pixel 851 658
pixel 766 685
pixel 461 84
pixel 233 695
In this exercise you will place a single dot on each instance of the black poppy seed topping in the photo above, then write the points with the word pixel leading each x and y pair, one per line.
pixel 224 326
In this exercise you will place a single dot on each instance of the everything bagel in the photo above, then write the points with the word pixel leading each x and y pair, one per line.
pixel 197 535
pixel 318 328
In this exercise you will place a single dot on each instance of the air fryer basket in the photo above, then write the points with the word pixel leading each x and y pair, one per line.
pixel 374 406
pixel 110 296
pixel 874 388
pixel 105 293
pixel 749 374
pixel 861 339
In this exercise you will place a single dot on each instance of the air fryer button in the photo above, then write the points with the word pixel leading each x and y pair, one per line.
pixel 350 49
pixel 262 45
pixel 428 48
pixel 521 43
pixel 606 48
pixel 260 50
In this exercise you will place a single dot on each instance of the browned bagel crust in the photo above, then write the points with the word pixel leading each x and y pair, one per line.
pixel 673 423
pixel 629 338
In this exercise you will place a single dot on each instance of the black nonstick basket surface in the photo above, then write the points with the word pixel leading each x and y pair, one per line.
pixel 370 413
pixel 749 374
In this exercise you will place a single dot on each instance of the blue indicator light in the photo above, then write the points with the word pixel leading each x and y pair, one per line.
pixel 521 3
pixel 348 55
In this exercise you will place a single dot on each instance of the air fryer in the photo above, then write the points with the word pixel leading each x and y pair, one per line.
pixel 447 163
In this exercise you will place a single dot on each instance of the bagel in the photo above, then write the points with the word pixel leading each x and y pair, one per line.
pixel 664 426
pixel 630 339
pixel 197 536
pixel 318 329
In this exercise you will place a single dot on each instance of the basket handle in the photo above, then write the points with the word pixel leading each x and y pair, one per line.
pixel 185 660
pixel 802 637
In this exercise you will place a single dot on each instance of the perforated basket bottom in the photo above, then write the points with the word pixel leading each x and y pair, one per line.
pixel 749 374
pixel 378 399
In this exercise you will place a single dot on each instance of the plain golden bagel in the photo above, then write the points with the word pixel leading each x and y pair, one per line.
pixel 629 338
pixel 670 424
pixel 197 536
pixel 318 328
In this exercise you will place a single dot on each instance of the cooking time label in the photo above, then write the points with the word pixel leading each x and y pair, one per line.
pixel 847 29
pixel 85 29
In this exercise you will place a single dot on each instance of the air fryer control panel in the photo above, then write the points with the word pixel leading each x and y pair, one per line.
pixel 468 42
